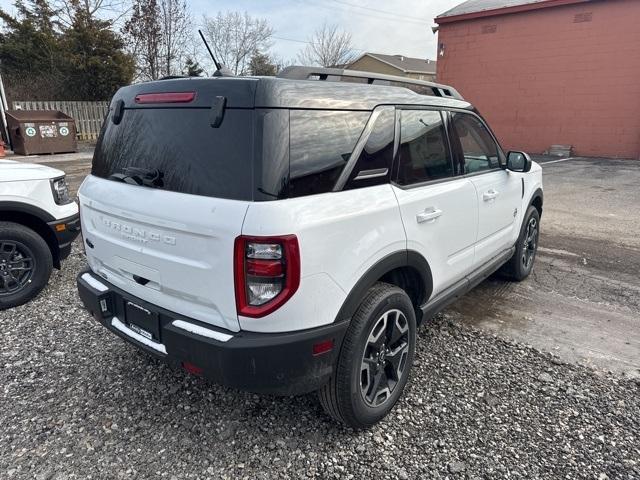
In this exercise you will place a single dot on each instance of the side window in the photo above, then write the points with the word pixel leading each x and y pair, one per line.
pixel 424 153
pixel 320 145
pixel 479 150
pixel 374 163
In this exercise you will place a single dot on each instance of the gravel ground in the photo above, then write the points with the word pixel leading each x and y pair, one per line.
pixel 77 402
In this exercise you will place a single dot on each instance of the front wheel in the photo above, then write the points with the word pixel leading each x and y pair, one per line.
pixel 25 264
pixel 375 360
pixel 521 264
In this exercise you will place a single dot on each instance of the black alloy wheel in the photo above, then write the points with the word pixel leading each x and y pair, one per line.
pixel 26 262
pixel 17 265
pixel 384 358
pixel 530 243
pixel 375 358
pixel 521 263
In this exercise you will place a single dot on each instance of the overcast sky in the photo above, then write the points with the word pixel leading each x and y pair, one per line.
pixel 405 30
pixel 390 26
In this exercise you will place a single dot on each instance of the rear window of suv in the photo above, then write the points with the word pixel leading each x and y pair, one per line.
pixel 180 142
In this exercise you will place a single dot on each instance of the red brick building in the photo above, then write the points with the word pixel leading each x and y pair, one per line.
pixel 547 72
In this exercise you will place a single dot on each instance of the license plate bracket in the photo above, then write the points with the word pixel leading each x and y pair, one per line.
pixel 142 320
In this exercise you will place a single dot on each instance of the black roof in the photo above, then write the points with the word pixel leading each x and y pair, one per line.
pixel 274 92
pixel 286 93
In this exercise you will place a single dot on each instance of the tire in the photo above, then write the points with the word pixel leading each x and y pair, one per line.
pixel 384 320
pixel 521 264
pixel 25 264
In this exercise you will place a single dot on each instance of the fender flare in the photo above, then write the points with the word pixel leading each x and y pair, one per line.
pixel 19 207
pixel 538 194
pixel 35 218
pixel 403 258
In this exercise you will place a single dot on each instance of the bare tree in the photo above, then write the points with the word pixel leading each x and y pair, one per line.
pixel 110 11
pixel 175 24
pixel 235 37
pixel 145 38
pixel 328 47
pixel 159 32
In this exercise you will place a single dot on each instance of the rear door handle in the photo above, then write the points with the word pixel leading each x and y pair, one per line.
pixel 490 195
pixel 429 215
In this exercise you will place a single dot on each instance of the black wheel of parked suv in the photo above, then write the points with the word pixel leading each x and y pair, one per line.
pixel 375 360
pixel 521 264
pixel 25 264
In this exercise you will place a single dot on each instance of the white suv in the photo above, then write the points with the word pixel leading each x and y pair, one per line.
pixel 285 236
pixel 38 223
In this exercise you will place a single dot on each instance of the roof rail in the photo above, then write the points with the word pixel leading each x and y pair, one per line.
pixel 355 76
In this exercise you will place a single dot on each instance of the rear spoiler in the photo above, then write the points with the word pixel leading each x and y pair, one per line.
pixel 370 78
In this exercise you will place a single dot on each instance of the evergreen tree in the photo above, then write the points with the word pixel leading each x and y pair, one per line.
pixel 43 60
pixel 262 65
pixel 96 62
pixel 192 68
pixel 30 40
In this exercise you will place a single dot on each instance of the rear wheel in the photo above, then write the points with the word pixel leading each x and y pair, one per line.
pixel 375 360
pixel 25 264
pixel 521 264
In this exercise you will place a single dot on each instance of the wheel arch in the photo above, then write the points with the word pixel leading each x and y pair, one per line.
pixel 406 269
pixel 34 218
pixel 537 200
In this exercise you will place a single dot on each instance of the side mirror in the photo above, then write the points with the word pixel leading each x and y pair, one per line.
pixel 518 162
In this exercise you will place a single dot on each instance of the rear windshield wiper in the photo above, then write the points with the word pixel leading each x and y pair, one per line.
pixel 140 176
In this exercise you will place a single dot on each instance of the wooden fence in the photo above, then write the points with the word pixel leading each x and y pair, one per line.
pixel 88 115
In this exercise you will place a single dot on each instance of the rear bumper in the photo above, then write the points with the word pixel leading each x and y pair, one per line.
pixel 277 363
pixel 65 230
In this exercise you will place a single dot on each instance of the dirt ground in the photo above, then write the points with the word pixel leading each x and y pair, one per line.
pixel 582 302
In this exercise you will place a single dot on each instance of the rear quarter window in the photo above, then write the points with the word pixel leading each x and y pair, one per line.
pixel 373 166
pixel 321 143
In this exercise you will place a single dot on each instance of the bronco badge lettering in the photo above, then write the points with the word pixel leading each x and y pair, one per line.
pixel 138 234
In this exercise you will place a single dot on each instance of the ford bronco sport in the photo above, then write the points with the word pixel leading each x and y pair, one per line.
pixel 288 235
pixel 38 223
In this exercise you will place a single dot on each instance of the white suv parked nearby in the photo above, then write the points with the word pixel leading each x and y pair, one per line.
pixel 38 223
pixel 287 235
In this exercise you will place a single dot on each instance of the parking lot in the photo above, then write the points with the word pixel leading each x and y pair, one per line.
pixel 583 300
pixel 531 380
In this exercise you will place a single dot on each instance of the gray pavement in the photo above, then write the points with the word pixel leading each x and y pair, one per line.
pixel 582 301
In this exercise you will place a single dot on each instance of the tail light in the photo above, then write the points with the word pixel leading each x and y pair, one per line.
pixel 267 273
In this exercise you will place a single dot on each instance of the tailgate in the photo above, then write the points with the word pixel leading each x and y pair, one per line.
pixel 174 250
